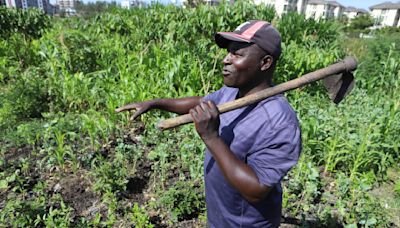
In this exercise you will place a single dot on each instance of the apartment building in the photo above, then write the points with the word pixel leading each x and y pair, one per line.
pixel 322 9
pixel 284 6
pixel 14 3
pixel 386 14
pixel 128 4
pixel 352 12
pixel 66 5
pixel 24 4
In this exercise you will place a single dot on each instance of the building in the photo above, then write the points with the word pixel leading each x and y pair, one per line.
pixel 128 4
pixel 311 8
pixel 284 6
pixel 66 5
pixel 25 4
pixel 2 2
pixel 352 12
pixel 386 14
pixel 14 3
pixel 323 9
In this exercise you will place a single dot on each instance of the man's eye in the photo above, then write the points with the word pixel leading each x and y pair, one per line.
pixel 235 53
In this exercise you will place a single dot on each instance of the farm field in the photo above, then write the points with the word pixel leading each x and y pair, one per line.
pixel 68 160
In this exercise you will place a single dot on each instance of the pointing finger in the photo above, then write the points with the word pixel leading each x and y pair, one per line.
pixel 137 113
pixel 125 108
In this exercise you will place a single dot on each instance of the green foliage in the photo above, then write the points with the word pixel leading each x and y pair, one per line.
pixel 397 188
pixel 28 95
pixel 31 23
pixel 91 9
pixel 388 30
pixel 381 68
pixel 183 200
pixel 295 27
pixel 361 22
pixel 140 218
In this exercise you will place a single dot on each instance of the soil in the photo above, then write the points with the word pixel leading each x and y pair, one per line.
pixel 30 177
pixel 15 153
pixel 138 185
pixel 75 190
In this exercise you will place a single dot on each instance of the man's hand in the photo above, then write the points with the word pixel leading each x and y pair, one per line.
pixel 141 107
pixel 206 120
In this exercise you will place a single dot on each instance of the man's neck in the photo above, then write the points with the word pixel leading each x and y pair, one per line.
pixel 253 89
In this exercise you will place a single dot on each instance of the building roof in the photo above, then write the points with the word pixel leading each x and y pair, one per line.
pixel 354 9
pixel 325 2
pixel 386 5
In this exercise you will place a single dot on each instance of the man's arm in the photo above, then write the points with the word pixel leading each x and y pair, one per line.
pixel 176 105
pixel 239 174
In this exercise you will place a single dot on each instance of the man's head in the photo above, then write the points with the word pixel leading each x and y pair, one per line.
pixel 261 33
pixel 253 49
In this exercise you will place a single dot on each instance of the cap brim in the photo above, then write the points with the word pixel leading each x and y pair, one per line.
pixel 223 38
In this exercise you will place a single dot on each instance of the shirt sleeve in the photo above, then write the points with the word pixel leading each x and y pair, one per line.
pixel 276 154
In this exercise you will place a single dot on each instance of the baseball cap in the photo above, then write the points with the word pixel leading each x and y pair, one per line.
pixel 258 32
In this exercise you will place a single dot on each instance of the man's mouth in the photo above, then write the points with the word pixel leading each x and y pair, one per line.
pixel 225 73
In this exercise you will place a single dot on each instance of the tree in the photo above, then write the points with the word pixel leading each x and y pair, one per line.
pixel 361 22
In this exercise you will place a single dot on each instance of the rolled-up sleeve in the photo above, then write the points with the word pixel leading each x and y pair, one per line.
pixel 275 154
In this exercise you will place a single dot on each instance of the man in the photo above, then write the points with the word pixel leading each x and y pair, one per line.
pixel 249 150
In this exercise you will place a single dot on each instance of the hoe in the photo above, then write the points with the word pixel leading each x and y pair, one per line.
pixel 337 79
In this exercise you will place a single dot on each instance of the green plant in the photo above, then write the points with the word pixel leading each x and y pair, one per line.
pixel 140 218
pixel 31 23
pixel 183 200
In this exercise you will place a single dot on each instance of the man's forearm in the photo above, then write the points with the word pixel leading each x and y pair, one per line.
pixel 239 174
pixel 177 105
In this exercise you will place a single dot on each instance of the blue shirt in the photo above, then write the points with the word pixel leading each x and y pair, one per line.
pixel 266 136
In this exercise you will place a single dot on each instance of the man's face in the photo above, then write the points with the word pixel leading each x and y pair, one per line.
pixel 242 65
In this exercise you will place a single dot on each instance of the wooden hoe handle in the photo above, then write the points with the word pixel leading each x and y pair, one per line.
pixel 348 64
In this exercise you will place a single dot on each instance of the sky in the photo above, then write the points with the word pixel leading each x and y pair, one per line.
pixel 364 4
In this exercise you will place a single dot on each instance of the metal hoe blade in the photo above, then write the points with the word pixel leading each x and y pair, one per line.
pixel 339 85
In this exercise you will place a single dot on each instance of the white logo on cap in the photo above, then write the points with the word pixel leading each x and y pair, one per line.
pixel 240 26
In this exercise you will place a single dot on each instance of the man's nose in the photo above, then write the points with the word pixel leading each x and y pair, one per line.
pixel 227 59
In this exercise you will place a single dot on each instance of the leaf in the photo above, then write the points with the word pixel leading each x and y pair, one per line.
pixel 3 184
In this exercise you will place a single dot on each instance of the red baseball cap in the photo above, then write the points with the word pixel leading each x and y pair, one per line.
pixel 261 33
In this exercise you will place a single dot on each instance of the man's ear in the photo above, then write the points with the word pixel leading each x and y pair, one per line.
pixel 266 62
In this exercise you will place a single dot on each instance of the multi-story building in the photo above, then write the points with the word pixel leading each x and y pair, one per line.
pixel 132 3
pixel 386 14
pixel 323 9
pixel 14 3
pixel 25 4
pixel 284 6
pixel 352 12
pixel 66 5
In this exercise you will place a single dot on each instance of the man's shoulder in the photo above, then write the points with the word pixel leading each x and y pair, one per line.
pixel 277 112
pixel 224 94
